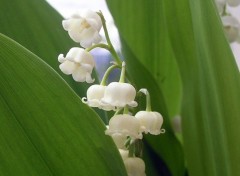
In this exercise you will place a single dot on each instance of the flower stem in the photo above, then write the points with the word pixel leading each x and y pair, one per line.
pixel 118 111
pixel 106 74
pixel 110 46
pixel 125 111
pixel 148 99
pixel 100 45
pixel 127 142
pixel 122 76
pixel 131 149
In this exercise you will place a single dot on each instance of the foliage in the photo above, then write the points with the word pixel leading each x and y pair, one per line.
pixel 175 49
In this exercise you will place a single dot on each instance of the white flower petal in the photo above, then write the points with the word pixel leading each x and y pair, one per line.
pixel 61 58
pixel 123 153
pixel 79 55
pixel 87 67
pixel 95 92
pixel 66 24
pixel 107 107
pixel 94 24
pixel 92 15
pixel 133 104
pixel 135 166
pixel 74 27
pixel 89 79
pixel 68 67
pixel 88 37
pixel 119 139
pixel 74 54
pixel 94 103
pixel 79 75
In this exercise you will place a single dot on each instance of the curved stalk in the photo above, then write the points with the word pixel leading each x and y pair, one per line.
pixel 111 48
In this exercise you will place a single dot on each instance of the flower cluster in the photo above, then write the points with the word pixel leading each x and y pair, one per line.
pixel 125 129
pixel 230 23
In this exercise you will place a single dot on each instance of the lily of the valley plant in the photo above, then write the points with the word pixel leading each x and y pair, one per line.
pixel 125 128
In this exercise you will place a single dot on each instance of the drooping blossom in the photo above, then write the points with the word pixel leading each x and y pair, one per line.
pixel 125 125
pixel 84 28
pixel 150 122
pixel 78 63
pixel 119 95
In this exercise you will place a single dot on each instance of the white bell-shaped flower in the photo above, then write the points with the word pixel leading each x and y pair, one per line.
pixel 94 95
pixel 150 122
pixel 119 139
pixel 123 153
pixel 233 3
pixel 231 27
pixel 119 95
pixel 84 28
pixel 135 166
pixel 79 63
pixel 124 124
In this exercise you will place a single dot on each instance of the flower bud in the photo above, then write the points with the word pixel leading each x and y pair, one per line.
pixel 150 122
pixel 79 63
pixel 124 124
pixel 120 94
pixel 135 166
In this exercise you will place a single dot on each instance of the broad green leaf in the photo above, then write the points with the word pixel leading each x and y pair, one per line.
pixel 146 35
pixel 38 27
pixel 166 145
pixel 211 88
pixel 45 128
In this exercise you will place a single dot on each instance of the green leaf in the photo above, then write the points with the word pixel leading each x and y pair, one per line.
pixel 45 128
pixel 147 37
pixel 211 88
